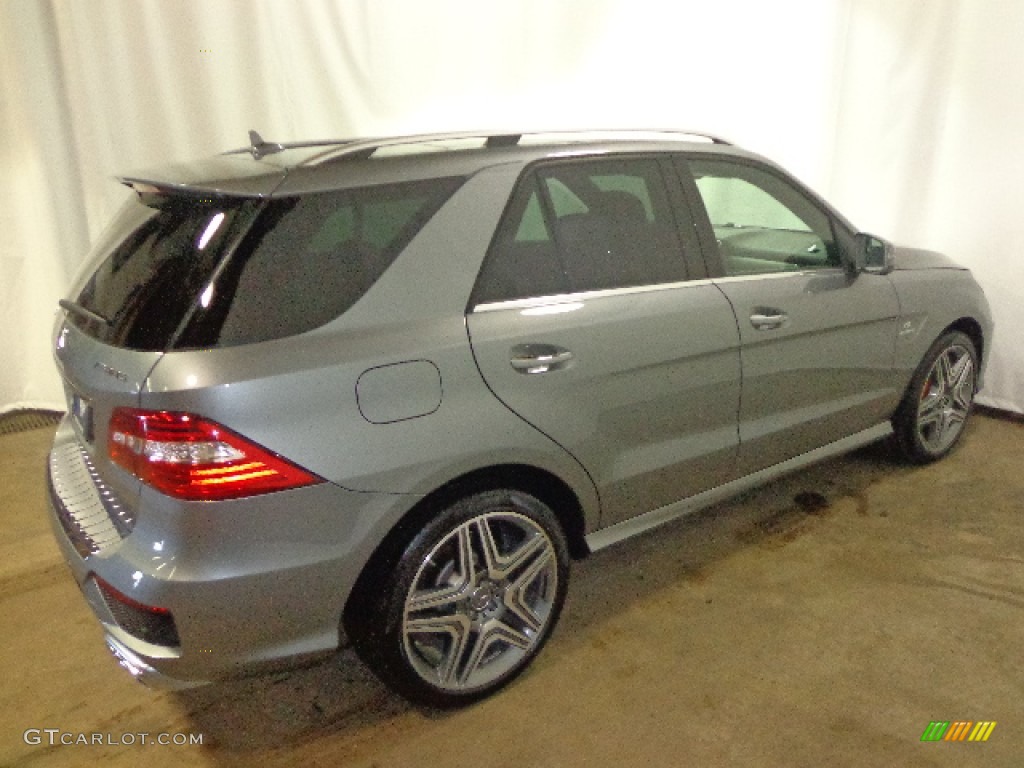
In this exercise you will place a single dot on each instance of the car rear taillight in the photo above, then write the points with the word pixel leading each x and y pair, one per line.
pixel 189 457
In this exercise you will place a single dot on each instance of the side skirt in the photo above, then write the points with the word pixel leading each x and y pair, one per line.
pixel 627 528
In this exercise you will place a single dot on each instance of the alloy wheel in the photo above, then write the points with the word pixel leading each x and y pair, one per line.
pixel 480 601
pixel 946 398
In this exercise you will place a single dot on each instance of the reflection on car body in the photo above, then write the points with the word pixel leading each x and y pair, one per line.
pixel 389 388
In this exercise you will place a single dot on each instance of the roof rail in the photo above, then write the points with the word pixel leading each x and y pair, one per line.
pixel 260 148
pixel 361 149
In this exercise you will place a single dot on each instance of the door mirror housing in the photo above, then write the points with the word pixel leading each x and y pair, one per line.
pixel 873 255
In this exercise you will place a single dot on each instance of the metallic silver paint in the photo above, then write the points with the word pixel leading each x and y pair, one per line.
pixel 825 373
pixel 626 529
pixel 648 404
pixel 671 400
pixel 399 391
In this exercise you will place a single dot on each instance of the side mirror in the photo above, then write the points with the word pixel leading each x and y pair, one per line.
pixel 873 255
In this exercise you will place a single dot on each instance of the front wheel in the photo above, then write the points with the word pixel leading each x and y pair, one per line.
pixel 473 598
pixel 934 412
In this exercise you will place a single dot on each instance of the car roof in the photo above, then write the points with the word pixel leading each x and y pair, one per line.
pixel 261 168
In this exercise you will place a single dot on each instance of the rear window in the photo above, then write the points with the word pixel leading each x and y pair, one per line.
pixel 154 260
pixel 184 272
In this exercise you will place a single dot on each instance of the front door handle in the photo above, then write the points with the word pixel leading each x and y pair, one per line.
pixel 539 358
pixel 768 318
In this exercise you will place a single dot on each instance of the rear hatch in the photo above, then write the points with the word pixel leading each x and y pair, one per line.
pixel 203 257
pixel 138 288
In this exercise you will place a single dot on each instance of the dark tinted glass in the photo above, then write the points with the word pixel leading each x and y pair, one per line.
pixel 159 257
pixel 310 258
pixel 523 260
pixel 584 226
pixel 183 272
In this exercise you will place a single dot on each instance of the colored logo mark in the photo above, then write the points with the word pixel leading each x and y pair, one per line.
pixel 958 730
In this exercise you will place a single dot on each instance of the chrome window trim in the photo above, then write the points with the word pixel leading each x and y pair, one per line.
pixel 563 298
pixel 777 275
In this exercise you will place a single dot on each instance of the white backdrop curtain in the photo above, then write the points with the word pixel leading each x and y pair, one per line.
pixel 906 114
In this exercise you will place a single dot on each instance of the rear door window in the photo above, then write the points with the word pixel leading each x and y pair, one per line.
pixel 584 226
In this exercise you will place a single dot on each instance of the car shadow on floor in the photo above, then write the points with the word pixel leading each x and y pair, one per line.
pixel 341 696
pixel 276 710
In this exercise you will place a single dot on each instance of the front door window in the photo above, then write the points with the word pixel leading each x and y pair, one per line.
pixel 762 223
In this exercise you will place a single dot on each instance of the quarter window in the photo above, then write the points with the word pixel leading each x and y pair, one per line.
pixel 308 259
pixel 584 226
pixel 762 223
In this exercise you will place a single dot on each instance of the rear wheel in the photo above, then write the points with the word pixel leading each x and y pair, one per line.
pixel 934 412
pixel 473 598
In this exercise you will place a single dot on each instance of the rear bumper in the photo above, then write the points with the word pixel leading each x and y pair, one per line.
pixel 251 584
pixel 143 672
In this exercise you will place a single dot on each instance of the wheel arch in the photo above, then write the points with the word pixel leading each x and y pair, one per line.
pixel 972 329
pixel 908 429
pixel 544 485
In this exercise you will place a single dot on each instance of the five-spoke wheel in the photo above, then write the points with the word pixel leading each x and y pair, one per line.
pixel 473 598
pixel 460 599
pixel 934 411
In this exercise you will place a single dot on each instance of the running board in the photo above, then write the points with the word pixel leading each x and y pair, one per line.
pixel 627 528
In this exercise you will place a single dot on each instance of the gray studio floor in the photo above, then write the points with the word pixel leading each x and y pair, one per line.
pixel 823 620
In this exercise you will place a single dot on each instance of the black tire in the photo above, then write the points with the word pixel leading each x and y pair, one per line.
pixel 468 602
pixel 933 415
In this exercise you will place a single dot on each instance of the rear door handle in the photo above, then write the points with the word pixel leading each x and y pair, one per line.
pixel 768 319
pixel 539 358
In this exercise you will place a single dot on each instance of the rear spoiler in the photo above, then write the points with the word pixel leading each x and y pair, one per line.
pixel 219 176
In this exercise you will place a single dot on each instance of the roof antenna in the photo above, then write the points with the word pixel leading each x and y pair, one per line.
pixel 258 147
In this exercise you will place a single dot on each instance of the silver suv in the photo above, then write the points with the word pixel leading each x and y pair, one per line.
pixel 388 389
